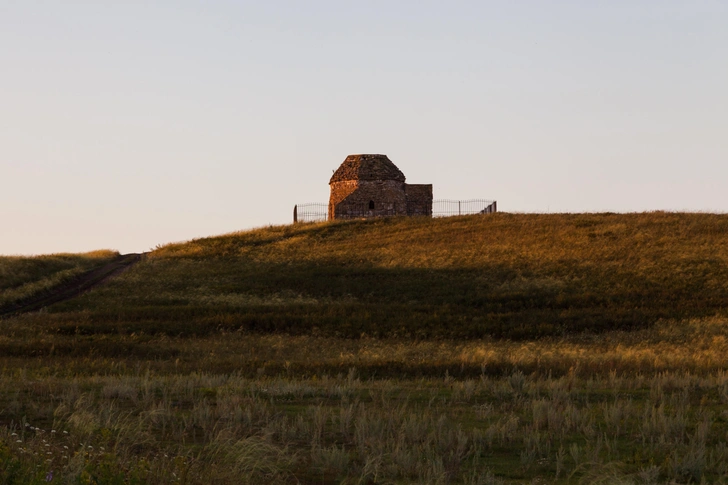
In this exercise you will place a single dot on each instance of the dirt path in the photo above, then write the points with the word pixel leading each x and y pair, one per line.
pixel 74 287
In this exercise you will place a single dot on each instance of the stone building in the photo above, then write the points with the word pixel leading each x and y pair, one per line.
pixel 373 186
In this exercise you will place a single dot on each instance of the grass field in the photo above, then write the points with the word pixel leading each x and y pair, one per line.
pixel 24 277
pixel 586 348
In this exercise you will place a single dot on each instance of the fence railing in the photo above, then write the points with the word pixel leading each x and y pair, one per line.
pixel 317 212
pixel 312 212
pixel 446 208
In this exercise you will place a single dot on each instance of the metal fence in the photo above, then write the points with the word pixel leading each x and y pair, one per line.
pixel 312 212
pixel 317 212
pixel 447 208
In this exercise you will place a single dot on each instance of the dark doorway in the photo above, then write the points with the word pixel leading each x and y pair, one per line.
pixel 371 205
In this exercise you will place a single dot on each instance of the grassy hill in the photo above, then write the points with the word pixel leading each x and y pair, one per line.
pixel 505 275
pixel 510 348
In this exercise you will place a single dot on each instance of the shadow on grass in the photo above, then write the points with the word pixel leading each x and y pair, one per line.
pixel 354 300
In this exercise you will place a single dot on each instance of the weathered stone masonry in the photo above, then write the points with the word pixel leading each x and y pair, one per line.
pixel 373 186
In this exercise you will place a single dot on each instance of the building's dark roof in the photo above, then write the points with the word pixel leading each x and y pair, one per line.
pixel 367 167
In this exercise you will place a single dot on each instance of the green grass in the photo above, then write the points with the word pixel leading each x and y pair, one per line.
pixel 24 277
pixel 205 428
pixel 586 348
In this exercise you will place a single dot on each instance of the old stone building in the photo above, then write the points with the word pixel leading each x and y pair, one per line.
pixel 373 186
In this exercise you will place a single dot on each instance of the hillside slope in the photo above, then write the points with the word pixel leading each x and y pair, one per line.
pixel 503 275
pixel 25 277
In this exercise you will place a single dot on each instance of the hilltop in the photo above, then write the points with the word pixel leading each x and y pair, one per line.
pixel 503 275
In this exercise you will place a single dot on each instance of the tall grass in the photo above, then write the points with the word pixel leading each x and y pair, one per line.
pixel 620 407
pixel 202 428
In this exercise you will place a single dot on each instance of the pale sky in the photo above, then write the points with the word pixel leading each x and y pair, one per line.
pixel 124 125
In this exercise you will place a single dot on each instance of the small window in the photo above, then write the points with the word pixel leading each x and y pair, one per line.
pixel 371 205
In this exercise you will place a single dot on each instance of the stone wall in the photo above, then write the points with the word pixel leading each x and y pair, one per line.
pixel 367 198
pixel 419 199
pixel 339 192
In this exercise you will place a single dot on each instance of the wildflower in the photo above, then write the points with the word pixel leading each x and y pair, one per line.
pixel 53 431
pixel 49 476
pixel 19 441
pixel 65 432
pixel 14 434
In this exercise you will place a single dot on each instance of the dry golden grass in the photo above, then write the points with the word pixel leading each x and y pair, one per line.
pixel 696 346
pixel 584 348
pixel 106 421
pixel 503 275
